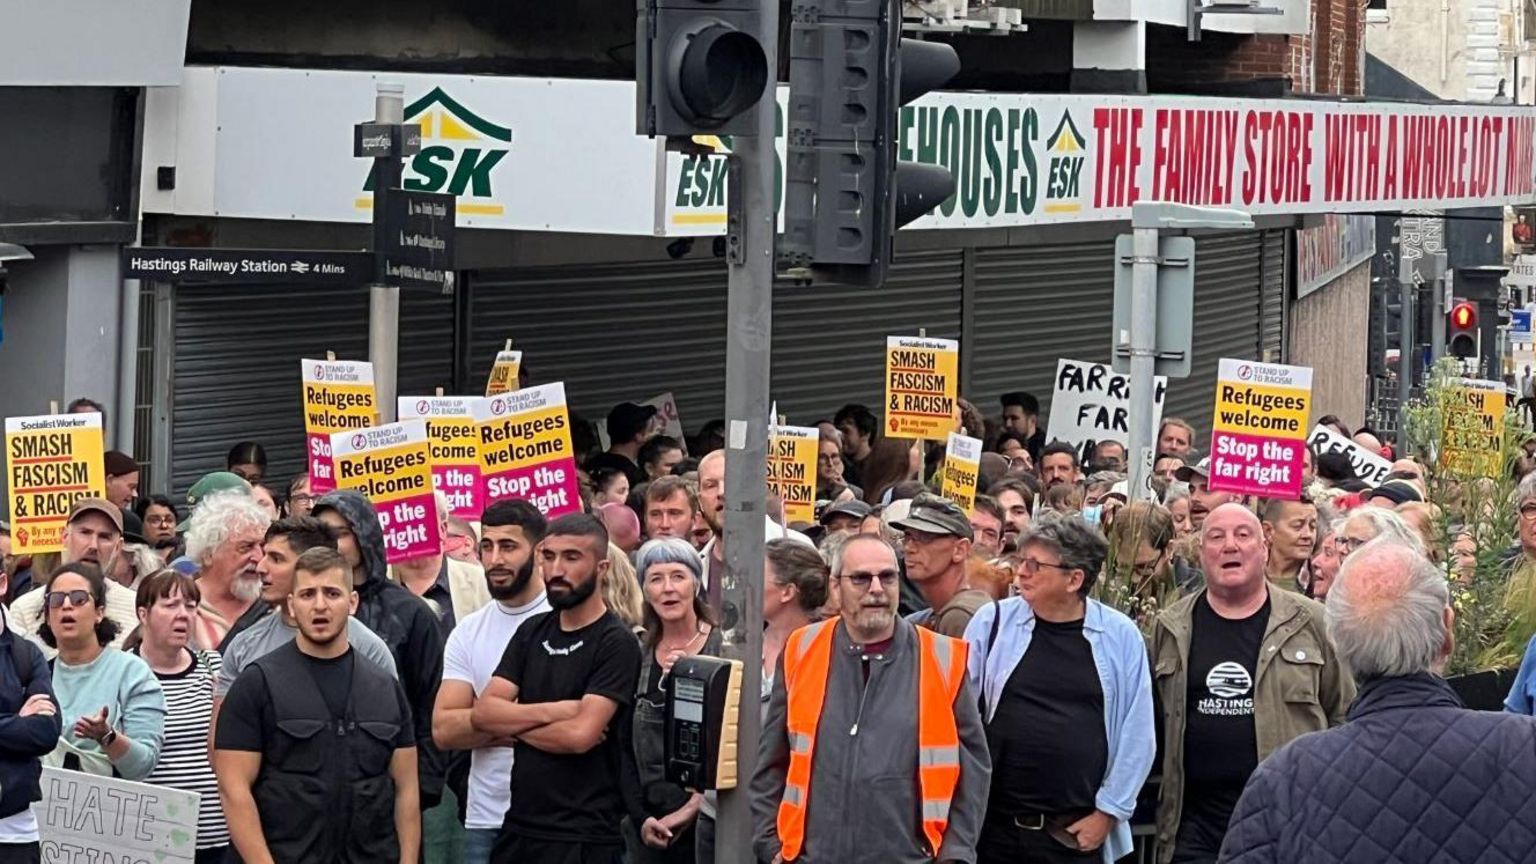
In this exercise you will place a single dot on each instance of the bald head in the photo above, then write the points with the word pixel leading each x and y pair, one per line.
pixel 1232 549
pixel 712 490
pixel 1368 441
pixel 1389 612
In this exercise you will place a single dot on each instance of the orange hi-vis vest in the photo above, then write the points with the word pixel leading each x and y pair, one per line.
pixel 941 672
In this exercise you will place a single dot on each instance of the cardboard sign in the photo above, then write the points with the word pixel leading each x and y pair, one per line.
pixel 792 470
pixel 83 817
pixel 455 450
pixel 525 449
pixel 392 465
pixel 1473 443
pixel 922 379
pixel 338 397
pixel 504 373
pixel 51 462
pixel 1091 402
pixel 1259 428
pixel 1369 467
pixel 962 467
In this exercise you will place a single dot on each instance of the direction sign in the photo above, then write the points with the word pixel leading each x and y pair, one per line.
pixel 247 265
pixel 418 239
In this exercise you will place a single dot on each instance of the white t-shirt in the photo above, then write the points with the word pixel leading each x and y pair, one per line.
pixel 474 650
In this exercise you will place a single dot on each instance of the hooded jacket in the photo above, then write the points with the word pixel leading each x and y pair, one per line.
pixel 404 621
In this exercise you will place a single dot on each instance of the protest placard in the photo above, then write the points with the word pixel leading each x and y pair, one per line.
pixel 392 465
pixel 792 470
pixel 1091 402
pixel 667 421
pixel 922 380
pixel 1369 467
pixel 1473 441
pixel 504 372
pixel 455 452
pixel 86 818
pixel 525 449
pixel 51 461
pixel 962 465
pixel 1259 428
pixel 338 397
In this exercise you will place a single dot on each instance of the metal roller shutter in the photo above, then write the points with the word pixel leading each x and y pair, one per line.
pixel 611 332
pixel 1274 297
pixel 1033 305
pixel 236 366
pixel 829 341
pixel 1229 272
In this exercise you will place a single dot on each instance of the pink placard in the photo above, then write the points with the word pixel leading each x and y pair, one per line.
pixel 322 469
pixel 1255 465
pixel 550 486
pixel 461 483
pixel 410 528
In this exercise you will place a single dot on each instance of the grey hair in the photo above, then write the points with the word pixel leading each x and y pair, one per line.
pixel 1177 491
pixel 1386 611
pixel 218 516
pixel 1388 525
pixel 668 550
pixel 1079 546
pixel 1526 490
pixel 836 551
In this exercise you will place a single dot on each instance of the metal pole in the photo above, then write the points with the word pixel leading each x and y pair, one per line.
pixel 1143 436
pixel 384 299
pixel 1405 352
pixel 749 329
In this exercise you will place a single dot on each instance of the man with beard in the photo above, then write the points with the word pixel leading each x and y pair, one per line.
pixel 94 535
pixel 224 539
pixel 511 531
pixel 565 691
pixel 316 747
pixel 899 772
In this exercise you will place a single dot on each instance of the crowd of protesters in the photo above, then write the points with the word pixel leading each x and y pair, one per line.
pixel 995 685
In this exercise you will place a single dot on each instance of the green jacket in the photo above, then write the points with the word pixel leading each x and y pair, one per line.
pixel 1307 690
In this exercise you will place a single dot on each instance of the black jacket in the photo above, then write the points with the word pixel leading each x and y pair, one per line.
pixel 405 623
pixel 23 740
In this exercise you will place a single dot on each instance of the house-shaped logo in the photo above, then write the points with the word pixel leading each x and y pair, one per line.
pixel 1067 150
pixel 460 151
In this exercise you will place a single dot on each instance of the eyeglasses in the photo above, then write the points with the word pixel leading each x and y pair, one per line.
pixel 76 597
pixel 160 520
pixel 1346 545
pixel 1031 566
pixel 301 499
pixel 888 579
pixel 1528 511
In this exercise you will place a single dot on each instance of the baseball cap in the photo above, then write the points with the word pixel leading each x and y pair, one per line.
pixel 97 505
pixel 627 419
pixel 133 528
pixel 1121 490
pixel 853 507
pixel 208 484
pixel 1201 469
pixel 1396 491
pixel 934 514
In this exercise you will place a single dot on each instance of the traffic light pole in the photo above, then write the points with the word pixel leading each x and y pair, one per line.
pixel 751 225
pixel 384 299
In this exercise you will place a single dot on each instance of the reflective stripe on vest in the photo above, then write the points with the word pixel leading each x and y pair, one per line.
pixel 941 671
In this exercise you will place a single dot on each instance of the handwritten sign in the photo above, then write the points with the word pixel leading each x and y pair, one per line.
pixel 392 465
pixel 666 422
pixel 792 470
pixel 51 462
pixel 962 467
pixel 1259 428
pixel 525 449
pixel 1473 443
pixel 85 818
pixel 455 452
pixel 921 386
pixel 504 373
pixel 1369 467
pixel 338 397
pixel 1091 402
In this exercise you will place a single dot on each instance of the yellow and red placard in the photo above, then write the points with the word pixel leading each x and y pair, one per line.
pixel 962 465
pixel 525 449
pixel 922 381
pixel 1473 441
pixel 1259 428
pixel 338 397
pixel 392 465
pixel 51 462
pixel 504 373
pixel 455 449
pixel 792 470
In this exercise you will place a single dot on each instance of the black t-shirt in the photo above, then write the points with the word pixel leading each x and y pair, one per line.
pixel 1049 750
pixel 246 721
pixel 1220 746
pixel 572 797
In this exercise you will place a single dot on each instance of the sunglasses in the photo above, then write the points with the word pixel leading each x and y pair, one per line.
pixel 76 597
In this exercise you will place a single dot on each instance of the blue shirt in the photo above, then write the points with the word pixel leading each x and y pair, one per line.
pixel 1120 653
pixel 1522 695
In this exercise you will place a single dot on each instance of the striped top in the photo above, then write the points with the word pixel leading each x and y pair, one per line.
pixel 184 757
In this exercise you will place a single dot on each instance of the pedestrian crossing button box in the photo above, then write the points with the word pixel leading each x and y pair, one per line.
pixel 703 704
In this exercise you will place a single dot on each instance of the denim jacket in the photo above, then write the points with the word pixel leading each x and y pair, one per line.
pixel 1120 654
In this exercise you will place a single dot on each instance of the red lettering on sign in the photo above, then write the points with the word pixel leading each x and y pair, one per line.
pixel 1115 182
pixel 1389 184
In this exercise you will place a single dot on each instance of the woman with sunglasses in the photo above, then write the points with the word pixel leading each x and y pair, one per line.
pixel 678 624
pixel 112 705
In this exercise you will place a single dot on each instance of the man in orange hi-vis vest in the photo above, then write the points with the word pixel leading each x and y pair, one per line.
pixel 873 749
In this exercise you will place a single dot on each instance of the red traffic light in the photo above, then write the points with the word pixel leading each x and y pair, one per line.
pixel 1464 316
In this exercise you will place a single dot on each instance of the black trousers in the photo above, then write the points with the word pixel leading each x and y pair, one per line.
pixel 1003 842
pixel 512 849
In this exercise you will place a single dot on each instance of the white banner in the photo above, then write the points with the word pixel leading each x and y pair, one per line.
pixel 1091 402
pixel 87 818
pixel 1370 467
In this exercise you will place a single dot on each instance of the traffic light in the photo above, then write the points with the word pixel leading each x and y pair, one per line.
pixel 846 189
pixel 1376 333
pixel 1461 330
pixel 699 67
